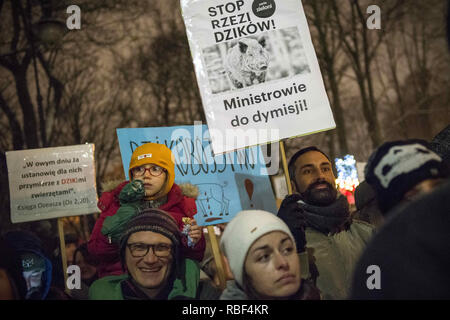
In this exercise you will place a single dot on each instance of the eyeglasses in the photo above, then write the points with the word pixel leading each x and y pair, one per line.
pixel 155 171
pixel 139 250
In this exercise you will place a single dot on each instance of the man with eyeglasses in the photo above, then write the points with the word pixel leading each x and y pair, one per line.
pixel 150 251
pixel 151 185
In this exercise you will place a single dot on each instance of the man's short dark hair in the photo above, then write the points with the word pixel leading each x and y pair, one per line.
pixel 71 238
pixel 291 165
pixel 83 250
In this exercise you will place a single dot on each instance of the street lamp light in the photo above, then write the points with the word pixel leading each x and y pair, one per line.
pixel 50 32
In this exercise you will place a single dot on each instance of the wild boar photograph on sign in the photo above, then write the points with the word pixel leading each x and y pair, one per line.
pixel 256 69
pixel 51 183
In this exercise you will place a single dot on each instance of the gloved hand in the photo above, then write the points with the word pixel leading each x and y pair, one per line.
pixel 132 192
pixel 291 213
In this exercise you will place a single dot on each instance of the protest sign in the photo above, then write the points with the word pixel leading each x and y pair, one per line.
pixel 280 187
pixel 256 69
pixel 51 182
pixel 227 183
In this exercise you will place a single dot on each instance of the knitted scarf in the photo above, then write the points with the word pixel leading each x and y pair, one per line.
pixel 146 204
pixel 329 219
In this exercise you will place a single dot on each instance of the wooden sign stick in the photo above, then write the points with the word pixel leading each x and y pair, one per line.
pixel 285 167
pixel 217 256
pixel 62 245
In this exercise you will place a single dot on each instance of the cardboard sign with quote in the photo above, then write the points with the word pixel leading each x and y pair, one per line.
pixel 51 183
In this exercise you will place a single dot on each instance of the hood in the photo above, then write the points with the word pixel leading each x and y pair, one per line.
pixel 187 277
pixel 233 292
pixel 189 190
pixel 110 185
pixel 24 242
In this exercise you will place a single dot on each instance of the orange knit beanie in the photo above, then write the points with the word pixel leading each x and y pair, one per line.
pixel 155 153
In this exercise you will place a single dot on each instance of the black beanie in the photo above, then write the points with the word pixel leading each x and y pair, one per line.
pixel 397 166
pixel 364 194
pixel 154 220
pixel 441 144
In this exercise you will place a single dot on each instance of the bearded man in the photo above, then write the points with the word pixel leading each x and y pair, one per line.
pixel 319 218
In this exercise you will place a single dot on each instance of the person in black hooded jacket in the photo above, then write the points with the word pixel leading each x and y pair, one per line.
pixel 29 269
pixel 409 258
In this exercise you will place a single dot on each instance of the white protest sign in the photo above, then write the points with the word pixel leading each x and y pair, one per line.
pixel 280 186
pixel 257 70
pixel 51 182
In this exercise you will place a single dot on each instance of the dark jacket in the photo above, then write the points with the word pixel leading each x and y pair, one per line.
pixel 23 242
pixel 410 254
pixel 180 203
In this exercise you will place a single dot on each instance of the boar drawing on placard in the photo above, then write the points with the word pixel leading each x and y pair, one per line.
pixel 247 62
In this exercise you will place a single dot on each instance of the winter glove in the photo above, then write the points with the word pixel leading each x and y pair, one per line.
pixel 129 197
pixel 114 225
pixel 291 213
pixel 132 192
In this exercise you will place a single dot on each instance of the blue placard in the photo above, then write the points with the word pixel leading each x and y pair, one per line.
pixel 227 183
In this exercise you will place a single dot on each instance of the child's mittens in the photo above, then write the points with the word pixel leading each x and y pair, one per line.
pixel 186 229
pixel 113 226
pixel 132 192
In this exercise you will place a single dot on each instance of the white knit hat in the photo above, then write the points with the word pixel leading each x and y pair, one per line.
pixel 242 231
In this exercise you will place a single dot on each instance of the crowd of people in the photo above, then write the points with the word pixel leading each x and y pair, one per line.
pixel 146 243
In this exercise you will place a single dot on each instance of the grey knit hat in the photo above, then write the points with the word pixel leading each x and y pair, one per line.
pixel 154 220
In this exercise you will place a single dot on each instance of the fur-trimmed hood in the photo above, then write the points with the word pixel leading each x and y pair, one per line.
pixel 188 189
pixel 110 185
